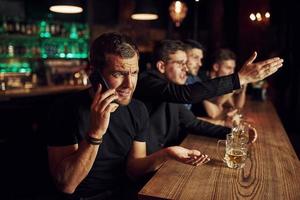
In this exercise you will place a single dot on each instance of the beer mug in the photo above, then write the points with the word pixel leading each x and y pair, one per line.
pixel 235 151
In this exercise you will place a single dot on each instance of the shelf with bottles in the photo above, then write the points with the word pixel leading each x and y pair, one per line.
pixel 44 48
pixel 17 65
pixel 44 29
pixel 43 40
pixel 20 73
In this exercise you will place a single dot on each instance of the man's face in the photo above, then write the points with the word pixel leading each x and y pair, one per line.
pixel 121 74
pixel 175 67
pixel 194 63
pixel 226 67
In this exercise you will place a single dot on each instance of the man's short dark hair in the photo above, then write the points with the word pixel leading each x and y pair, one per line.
pixel 114 44
pixel 224 54
pixel 165 48
pixel 193 44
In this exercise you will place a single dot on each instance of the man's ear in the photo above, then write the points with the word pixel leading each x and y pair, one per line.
pixel 161 67
pixel 216 67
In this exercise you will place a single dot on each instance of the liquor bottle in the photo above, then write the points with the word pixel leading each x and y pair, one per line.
pixel 4 25
pixel 17 28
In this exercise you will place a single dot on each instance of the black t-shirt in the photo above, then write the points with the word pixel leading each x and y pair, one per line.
pixel 70 122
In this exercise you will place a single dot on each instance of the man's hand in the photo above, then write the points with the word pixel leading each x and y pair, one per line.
pixel 187 156
pixel 252 72
pixel 101 108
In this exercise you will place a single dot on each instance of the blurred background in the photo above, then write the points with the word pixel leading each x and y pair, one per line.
pixel 43 56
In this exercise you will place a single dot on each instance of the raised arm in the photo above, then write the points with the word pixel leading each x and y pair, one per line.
pixel 155 87
pixel 69 165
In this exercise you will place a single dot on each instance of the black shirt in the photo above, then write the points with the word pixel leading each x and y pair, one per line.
pixel 168 119
pixel 70 122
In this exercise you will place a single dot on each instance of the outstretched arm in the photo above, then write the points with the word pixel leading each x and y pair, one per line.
pixel 139 163
pixel 153 86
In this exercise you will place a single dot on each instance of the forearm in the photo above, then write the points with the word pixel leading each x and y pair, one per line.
pixel 214 87
pixel 220 122
pixel 240 99
pixel 139 166
pixel 206 128
pixel 222 99
pixel 213 110
pixel 73 169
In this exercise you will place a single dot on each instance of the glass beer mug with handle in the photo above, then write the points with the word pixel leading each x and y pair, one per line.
pixel 235 151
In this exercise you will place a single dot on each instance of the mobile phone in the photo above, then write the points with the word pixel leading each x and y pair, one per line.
pixel 96 78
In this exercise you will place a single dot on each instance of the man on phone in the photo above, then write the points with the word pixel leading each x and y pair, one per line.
pixel 94 145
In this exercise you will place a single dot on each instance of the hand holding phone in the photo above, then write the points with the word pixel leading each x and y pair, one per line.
pixel 96 78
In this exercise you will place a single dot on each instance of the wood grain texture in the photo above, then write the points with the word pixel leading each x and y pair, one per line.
pixel 272 170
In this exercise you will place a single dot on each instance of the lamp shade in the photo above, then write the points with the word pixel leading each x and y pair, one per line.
pixel 66 6
pixel 145 10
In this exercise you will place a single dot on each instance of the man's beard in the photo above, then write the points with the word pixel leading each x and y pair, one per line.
pixel 125 102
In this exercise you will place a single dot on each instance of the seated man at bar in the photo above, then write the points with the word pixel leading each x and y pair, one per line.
pixel 163 89
pixel 98 136
pixel 195 52
pixel 221 109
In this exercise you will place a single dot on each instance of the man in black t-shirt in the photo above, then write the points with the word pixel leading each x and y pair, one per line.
pixel 98 136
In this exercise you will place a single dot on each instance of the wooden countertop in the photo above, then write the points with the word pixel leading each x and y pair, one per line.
pixel 271 172
pixel 45 90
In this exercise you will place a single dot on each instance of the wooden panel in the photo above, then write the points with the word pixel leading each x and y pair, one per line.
pixel 271 172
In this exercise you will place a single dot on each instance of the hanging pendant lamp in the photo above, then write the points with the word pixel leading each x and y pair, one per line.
pixel 144 10
pixel 66 6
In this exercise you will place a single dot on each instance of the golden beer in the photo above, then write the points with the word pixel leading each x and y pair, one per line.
pixel 235 158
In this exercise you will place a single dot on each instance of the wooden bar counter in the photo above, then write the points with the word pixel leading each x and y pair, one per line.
pixel 272 170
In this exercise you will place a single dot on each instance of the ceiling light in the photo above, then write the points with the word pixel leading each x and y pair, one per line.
pixel 144 10
pixel 66 6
